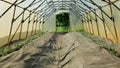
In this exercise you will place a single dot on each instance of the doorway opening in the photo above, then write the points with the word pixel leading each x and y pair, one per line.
pixel 62 22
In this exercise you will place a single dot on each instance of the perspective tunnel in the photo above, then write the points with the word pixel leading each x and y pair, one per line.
pixel 59 33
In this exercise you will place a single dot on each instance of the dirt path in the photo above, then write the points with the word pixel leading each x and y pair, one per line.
pixel 70 50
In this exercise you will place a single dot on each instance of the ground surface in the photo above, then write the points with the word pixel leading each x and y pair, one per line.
pixel 70 50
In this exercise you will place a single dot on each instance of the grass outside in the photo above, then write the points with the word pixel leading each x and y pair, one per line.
pixel 62 29
pixel 17 45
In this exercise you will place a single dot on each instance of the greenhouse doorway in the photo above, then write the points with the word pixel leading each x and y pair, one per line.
pixel 62 23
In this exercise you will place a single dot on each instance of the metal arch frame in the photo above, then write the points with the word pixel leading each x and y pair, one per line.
pixel 15 4
pixel 91 9
pixel 103 20
pixel 68 6
pixel 57 1
pixel 110 17
pixel 9 40
pixel 73 7
pixel 45 10
pixel 45 7
pixel 48 3
pixel 77 8
pixel 36 3
pixel 80 8
pixel 50 13
pixel 88 20
pixel 82 11
pixel 33 3
pixel 99 7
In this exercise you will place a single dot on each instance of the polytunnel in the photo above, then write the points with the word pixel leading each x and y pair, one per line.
pixel 25 19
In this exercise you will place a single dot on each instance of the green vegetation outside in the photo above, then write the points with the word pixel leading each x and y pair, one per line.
pixel 62 23
pixel 62 29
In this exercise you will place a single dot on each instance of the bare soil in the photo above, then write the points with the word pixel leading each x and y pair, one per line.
pixel 67 50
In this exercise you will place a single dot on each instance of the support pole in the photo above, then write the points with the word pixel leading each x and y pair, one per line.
pixel 11 27
pixel 113 20
pixel 103 19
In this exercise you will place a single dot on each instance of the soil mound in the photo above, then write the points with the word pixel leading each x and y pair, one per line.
pixel 53 50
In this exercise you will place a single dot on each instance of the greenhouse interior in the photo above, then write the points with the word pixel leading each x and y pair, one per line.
pixel 59 34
